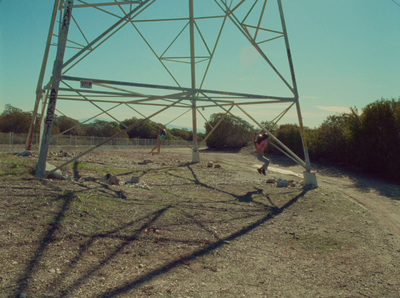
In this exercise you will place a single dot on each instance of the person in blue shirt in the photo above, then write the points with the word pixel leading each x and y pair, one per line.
pixel 161 136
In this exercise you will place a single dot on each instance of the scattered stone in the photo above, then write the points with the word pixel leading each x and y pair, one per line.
pixel 154 230
pixel 84 213
pixel 145 162
pixel 282 183
pixel 271 180
pixel 217 166
pixel 140 184
pixel 210 164
pixel 53 175
pixel 26 153
pixel 66 154
pixel 111 179
pixel 61 153
pixel 133 180
pixel 90 179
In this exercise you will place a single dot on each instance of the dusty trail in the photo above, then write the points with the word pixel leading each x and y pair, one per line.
pixel 380 198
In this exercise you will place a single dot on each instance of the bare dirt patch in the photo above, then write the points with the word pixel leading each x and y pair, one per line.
pixel 189 230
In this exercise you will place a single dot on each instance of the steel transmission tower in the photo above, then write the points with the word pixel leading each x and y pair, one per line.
pixel 164 58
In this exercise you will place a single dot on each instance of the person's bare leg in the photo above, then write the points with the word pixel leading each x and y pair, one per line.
pixel 158 147
pixel 152 149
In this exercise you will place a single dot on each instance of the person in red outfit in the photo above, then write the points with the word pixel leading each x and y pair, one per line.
pixel 260 143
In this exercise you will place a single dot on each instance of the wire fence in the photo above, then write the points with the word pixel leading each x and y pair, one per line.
pixel 16 141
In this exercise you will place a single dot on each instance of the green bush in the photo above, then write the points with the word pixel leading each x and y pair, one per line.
pixel 231 133
pixel 15 120
pixel 369 140
pixel 100 128
pixel 332 140
pixel 377 140
pixel 289 134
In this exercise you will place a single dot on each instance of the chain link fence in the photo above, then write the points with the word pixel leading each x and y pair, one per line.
pixel 16 141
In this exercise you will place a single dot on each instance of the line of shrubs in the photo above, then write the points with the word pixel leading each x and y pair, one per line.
pixel 367 140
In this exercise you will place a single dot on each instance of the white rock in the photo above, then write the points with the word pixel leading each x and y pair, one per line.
pixel 54 175
pixel 134 180
pixel 282 183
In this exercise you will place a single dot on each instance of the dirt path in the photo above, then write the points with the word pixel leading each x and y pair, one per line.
pixel 381 198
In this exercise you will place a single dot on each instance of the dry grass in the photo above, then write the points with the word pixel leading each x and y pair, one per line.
pixel 197 232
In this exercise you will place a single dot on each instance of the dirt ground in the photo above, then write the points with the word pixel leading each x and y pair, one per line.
pixel 177 229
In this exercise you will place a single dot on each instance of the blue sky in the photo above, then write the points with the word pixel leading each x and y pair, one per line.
pixel 346 53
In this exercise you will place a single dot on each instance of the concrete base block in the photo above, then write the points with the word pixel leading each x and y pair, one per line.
pixel 195 156
pixel 310 179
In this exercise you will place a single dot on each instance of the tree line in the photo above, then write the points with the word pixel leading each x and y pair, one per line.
pixel 367 140
pixel 15 120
